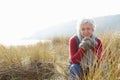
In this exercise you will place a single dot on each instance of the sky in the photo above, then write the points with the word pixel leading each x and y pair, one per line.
pixel 22 18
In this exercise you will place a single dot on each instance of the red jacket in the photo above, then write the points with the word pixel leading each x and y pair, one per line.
pixel 77 54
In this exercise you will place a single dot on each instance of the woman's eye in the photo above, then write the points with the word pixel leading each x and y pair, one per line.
pixel 83 29
pixel 88 28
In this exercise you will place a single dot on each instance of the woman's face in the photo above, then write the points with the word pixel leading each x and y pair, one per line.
pixel 86 30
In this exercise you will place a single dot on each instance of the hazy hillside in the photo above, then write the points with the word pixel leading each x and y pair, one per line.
pixel 103 24
pixel 58 30
pixel 108 23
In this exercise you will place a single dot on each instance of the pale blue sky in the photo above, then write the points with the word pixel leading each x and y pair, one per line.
pixel 22 18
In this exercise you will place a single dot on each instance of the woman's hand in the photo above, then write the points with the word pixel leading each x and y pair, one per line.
pixel 87 43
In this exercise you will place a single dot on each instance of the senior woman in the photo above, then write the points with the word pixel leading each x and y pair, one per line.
pixel 84 48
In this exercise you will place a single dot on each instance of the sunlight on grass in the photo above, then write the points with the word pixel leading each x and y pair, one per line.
pixel 49 60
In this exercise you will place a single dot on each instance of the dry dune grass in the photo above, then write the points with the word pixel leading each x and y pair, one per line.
pixel 50 60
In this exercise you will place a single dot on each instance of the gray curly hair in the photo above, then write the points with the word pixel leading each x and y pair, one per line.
pixel 84 21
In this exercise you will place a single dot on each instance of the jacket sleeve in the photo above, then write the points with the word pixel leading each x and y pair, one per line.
pixel 75 54
pixel 99 49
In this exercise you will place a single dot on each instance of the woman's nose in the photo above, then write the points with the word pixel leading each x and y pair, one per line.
pixel 86 31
